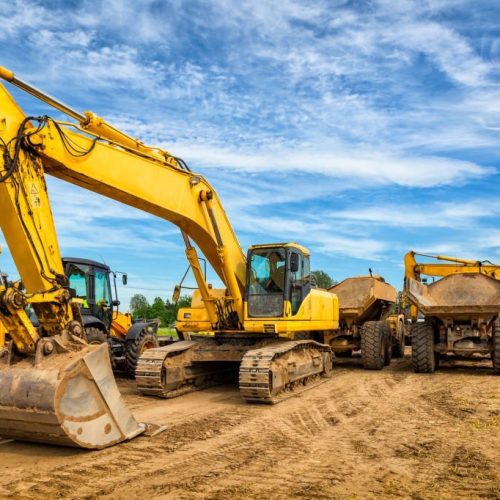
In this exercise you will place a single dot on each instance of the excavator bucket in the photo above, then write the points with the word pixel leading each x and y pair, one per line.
pixel 68 399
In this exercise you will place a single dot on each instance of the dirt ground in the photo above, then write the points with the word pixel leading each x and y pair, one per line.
pixel 358 435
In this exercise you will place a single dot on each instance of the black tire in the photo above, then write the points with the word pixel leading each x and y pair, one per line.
pixel 424 358
pixel 135 347
pixel 373 344
pixel 495 354
pixel 387 345
pixel 398 342
pixel 95 336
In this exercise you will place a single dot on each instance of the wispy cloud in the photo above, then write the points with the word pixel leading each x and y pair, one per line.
pixel 362 129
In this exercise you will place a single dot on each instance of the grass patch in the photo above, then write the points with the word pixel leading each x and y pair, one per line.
pixel 167 332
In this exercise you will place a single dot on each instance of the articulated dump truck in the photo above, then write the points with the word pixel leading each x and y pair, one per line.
pixel 457 314
pixel 366 323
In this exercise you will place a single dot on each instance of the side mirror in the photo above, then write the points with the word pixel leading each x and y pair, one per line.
pixel 115 303
pixel 294 262
pixel 124 279
pixel 177 294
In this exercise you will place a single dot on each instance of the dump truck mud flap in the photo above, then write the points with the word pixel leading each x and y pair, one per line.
pixel 68 399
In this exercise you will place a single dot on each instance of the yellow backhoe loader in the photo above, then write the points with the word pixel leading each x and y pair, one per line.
pixel 90 282
pixel 456 314
pixel 268 318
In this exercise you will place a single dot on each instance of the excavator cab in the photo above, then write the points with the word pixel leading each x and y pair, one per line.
pixel 278 280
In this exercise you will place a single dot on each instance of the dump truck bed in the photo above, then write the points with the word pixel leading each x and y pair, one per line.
pixel 457 295
pixel 361 297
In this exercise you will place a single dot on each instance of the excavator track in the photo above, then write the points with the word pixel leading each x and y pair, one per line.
pixel 168 372
pixel 278 371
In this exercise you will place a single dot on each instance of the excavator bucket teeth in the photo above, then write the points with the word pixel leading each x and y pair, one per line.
pixel 68 399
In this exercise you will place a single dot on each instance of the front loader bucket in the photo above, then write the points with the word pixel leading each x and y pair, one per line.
pixel 68 399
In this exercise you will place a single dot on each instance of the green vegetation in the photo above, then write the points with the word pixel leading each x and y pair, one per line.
pixel 166 312
pixel 323 280
pixel 167 332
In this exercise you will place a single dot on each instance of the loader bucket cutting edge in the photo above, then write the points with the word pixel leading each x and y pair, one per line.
pixel 69 399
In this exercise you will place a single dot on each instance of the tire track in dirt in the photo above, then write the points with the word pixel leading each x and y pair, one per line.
pixel 388 433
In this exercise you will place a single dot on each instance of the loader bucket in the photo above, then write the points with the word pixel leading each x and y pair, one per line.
pixel 463 294
pixel 69 399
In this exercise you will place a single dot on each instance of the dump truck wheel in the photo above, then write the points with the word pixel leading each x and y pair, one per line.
pixel 95 336
pixel 424 358
pixel 398 342
pixel 135 347
pixel 373 344
pixel 387 345
pixel 495 354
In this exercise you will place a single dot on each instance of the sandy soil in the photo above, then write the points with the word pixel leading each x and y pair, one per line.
pixel 358 435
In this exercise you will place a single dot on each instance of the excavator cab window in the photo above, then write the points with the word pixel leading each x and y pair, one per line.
pixel 300 280
pixel 266 288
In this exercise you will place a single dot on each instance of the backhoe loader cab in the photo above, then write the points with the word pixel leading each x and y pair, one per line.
pixel 90 283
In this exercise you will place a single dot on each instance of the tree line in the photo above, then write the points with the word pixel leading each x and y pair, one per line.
pixel 165 311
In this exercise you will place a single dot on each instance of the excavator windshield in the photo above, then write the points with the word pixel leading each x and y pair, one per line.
pixel 267 282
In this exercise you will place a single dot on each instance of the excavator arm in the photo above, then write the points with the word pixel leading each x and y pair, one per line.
pixel 53 387
pixel 87 154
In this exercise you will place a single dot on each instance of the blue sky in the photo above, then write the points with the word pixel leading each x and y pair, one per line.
pixel 360 129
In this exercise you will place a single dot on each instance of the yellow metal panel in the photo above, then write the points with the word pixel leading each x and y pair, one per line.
pixel 25 216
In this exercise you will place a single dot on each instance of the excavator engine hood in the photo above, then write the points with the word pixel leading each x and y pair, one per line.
pixel 68 399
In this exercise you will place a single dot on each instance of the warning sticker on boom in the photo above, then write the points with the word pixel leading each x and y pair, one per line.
pixel 35 196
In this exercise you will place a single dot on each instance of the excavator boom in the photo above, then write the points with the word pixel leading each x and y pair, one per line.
pixel 268 319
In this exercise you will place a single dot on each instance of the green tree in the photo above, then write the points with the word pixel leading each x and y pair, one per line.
pixel 158 310
pixel 323 280
pixel 172 309
pixel 139 306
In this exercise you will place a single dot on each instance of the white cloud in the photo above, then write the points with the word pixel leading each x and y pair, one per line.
pixel 374 167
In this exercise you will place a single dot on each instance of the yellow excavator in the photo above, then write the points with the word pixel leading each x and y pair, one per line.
pixel 54 387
